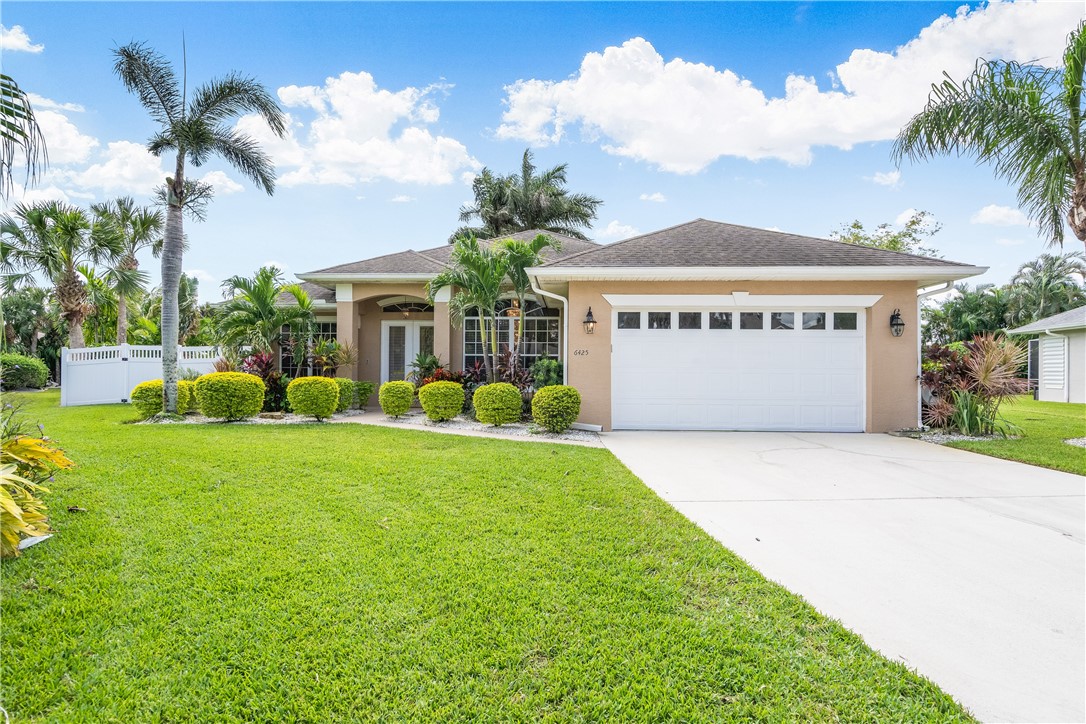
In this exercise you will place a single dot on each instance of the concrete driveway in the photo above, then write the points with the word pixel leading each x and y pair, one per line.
pixel 970 569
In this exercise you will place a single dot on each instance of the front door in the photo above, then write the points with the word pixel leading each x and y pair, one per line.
pixel 401 342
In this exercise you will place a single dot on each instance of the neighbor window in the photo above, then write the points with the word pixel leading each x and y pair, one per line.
pixel 629 320
pixel 844 320
pixel 750 320
pixel 782 320
pixel 720 320
pixel 689 320
pixel 659 320
pixel 814 320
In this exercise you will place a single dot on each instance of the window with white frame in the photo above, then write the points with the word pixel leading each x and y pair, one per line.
pixel 288 365
pixel 540 338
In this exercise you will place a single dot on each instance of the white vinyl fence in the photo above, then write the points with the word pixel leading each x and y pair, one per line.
pixel 105 375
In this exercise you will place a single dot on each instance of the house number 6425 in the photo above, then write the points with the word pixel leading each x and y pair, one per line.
pixel 580 353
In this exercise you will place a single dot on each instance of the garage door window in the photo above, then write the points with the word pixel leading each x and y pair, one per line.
pixel 720 320
pixel 782 320
pixel 814 320
pixel 659 320
pixel 750 320
pixel 844 321
pixel 689 320
pixel 629 320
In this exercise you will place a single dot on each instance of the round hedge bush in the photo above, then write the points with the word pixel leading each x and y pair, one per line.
pixel 442 400
pixel 363 391
pixel 346 393
pixel 396 397
pixel 146 397
pixel 556 407
pixel 230 395
pixel 18 371
pixel 313 396
pixel 497 404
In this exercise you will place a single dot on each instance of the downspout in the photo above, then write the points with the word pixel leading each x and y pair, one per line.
pixel 565 325
pixel 1066 364
pixel 921 296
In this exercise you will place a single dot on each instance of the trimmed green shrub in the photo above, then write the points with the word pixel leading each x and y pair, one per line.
pixel 346 393
pixel 186 396
pixel 363 391
pixel 556 407
pixel 396 397
pixel 146 397
pixel 18 371
pixel 230 395
pixel 497 404
pixel 442 400
pixel 316 397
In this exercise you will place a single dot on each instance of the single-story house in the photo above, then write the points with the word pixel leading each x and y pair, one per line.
pixel 1057 357
pixel 700 326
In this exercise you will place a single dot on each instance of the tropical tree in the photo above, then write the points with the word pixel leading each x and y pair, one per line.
pixel 969 311
pixel 478 273
pixel 194 130
pixel 190 314
pixel 519 257
pixel 139 228
pixel 1025 121
pixel 1048 285
pixel 101 321
pixel 252 315
pixel 910 238
pixel 19 135
pixel 54 239
pixel 524 201
pixel 29 315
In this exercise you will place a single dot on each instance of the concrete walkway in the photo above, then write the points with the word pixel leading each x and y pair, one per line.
pixel 970 569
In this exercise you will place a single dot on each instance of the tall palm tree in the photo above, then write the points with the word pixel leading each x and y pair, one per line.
pixel 252 314
pixel 1023 119
pixel 519 202
pixel 195 130
pixel 53 239
pixel 19 135
pixel 519 257
pixel 139 228
pixel 1048 285
pixel 478 272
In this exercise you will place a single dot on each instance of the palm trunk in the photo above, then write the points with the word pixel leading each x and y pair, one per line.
pixel 172 246
pixel 34 341
pixel 494 348
pixel 75 330
pixel 1076 215
pixel 71 296
pixel 484 332
pixel 122 319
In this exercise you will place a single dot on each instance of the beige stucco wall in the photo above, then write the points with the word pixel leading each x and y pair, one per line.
pixel 891 361
pixel 358 322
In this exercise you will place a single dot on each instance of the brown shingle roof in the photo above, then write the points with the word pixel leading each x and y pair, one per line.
pixel 316 293
pixel 703 243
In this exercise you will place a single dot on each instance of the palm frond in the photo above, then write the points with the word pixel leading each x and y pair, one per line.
pixel 234 95
pixel 151 77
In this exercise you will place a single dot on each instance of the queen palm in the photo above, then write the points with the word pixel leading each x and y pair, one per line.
pixel 478 273
pixel 1024 120
pixel 525 201
pixel 1048 285
pixel 139 228
pixel 194 130
pixel 53 239
pixel 252 315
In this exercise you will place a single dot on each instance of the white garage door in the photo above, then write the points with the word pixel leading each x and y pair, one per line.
pixel 743 369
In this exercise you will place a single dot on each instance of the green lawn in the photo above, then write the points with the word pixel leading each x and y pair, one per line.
pixel 348 572
pixel 1045 426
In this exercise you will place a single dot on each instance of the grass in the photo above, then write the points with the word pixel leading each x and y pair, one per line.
pixel 349 572
pixel 1045 426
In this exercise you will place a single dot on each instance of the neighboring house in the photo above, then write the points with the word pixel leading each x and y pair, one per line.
pixel 1057 358
pixel 703 325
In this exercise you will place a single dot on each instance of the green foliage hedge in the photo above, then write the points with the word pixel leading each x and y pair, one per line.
pixel 317 397
pixel 363 391
pixel 18 371
pixel 146 397
pixel 497 404
pixel 442 400
pixel 230 395
pixel 556 407
pixel 396 397
pixel 346 393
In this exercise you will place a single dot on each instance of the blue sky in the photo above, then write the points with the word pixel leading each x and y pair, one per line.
pixel 773 115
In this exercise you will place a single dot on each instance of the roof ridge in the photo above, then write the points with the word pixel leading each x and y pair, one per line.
pixel 619 243
pixel 360 261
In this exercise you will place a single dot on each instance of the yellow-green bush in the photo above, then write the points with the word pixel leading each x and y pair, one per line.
pixel 442 400
pixel 18 371
pixel 396 397
pixel 497 404
pixel 556 407
pixel 230 395
pixel 363 391
pixel 146 397
pixel 313 396
pixel 346 393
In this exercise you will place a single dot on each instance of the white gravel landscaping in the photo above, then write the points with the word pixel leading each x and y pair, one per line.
pixel 1077 441
pixel 417 418
pixel 288 418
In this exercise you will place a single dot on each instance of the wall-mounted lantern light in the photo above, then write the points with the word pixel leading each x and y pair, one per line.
pixel 589 322
pixel 897 324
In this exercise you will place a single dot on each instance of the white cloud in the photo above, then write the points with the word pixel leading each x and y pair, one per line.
pixel 128 168
pixel 997 215
pixel 616 231
pixel 29 196
pixel 362 133
pixel 277 264
pixel 48 104
pixel 656 197
pixel 65 142
pixel 681 115
pixel 904 216
pixel 1010 242
pixel 223 184
pixel 15 40
pixel 402 199
pixel 885 178
pixel 207 287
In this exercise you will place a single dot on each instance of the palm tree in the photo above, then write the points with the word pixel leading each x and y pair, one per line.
pixel 195 131
pixel 139 228
pixel 524 201
pixel 252 315
pixel 19 132
pixel 1048 285
pixel 478 272
pixel 28 316
pixel 102 303
pixel 53 239
pixel 1023 119
pixel 519 257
